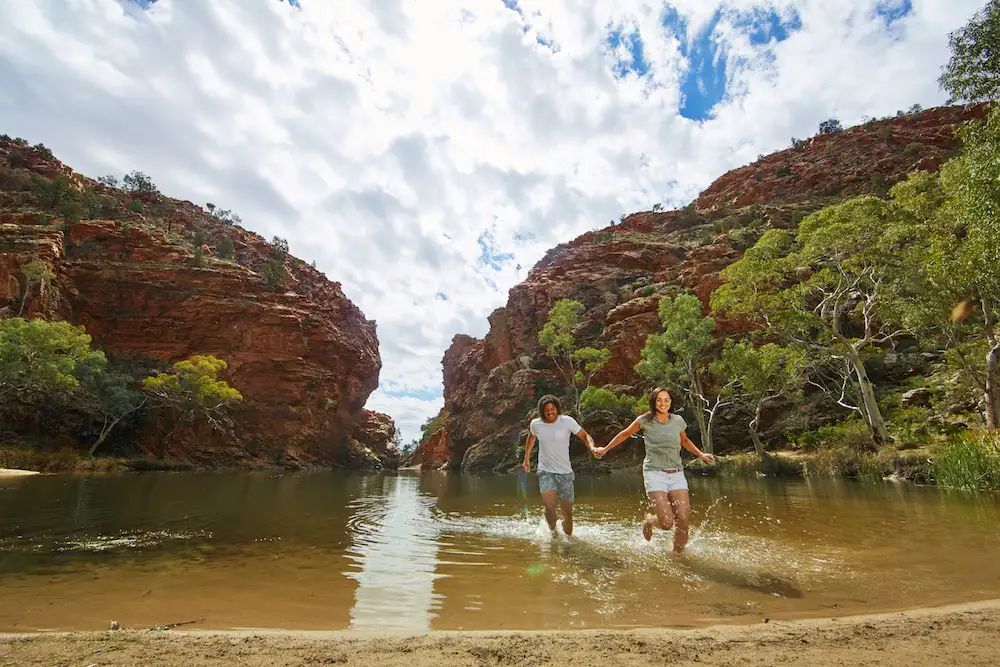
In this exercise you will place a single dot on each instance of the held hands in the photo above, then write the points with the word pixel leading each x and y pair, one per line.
pixel 599 452
pixel 707 458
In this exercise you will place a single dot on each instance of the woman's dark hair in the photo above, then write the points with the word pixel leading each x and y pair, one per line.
pixel 652 399
pixel 545 400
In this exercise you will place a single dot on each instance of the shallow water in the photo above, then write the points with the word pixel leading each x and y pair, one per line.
pixel 415 551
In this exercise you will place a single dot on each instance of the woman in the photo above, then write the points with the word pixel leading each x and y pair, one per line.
pixel 662 469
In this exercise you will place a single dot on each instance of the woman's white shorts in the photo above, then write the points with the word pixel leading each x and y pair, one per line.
pixel 658 480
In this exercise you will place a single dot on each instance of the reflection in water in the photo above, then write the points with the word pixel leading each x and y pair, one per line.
pixel 395 546
pixel 420 551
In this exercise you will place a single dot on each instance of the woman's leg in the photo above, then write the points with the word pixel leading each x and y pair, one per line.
pixel 681 505
pixel 662 515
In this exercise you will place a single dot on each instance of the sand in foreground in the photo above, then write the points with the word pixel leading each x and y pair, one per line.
pixel 957 635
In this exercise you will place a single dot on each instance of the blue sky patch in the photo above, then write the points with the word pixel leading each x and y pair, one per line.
pixel 704 82
pixel 636 62
pixel 763 25
pixel 892 11
pixel 490 254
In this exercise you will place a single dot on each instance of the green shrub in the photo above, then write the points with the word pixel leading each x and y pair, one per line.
pixel 135 207
pixel 913 148
pixel 852 434
pixel 273 273
pixel 596 399
pixel 16 159
pixel 969 461
pixel 226 249
pixel 280 246
pixel 885 134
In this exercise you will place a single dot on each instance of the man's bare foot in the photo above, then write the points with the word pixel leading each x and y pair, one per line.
pixel 647 529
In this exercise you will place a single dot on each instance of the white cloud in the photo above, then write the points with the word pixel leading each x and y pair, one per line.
pixel 382 138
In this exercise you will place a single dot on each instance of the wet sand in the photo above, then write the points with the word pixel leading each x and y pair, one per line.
pixel 966 634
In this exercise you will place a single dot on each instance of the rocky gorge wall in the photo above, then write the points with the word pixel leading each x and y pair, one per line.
pixel 304 356
pixel 492 384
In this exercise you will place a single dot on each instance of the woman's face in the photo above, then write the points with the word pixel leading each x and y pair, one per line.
pixel 663 403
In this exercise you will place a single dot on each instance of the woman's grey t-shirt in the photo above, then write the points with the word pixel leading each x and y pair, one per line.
pixel 663 442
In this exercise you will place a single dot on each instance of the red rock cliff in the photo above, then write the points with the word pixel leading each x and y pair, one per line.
pixel 304 357
pixel 491 385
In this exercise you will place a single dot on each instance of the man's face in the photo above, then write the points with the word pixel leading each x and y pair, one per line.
pixel 549 412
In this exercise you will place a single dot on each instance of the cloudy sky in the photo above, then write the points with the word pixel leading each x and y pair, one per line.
pixel 426 154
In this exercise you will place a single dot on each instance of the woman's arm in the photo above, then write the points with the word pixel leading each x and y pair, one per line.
pixel 622 436
pixel 693 448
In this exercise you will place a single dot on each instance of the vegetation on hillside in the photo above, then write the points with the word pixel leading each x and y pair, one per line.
pixel 49 367
pixel 854 305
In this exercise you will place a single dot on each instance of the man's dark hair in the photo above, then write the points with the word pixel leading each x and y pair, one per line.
pixel 545 400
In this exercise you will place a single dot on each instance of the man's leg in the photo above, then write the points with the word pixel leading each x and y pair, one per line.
pixel 567 515
pixel 566 497
pixel 681 504
pixel 549 498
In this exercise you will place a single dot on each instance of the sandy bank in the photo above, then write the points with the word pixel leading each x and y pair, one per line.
pixel 12 472
pixel 965 634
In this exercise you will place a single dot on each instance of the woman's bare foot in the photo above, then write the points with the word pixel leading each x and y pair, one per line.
pixel 647 529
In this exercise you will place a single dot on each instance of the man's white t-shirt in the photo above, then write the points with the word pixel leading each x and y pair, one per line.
pixel 553 443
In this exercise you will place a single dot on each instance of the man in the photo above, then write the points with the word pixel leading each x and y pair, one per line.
pixel 555 474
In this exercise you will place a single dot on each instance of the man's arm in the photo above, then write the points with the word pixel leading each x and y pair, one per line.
pixel 583 435
pixel 527 452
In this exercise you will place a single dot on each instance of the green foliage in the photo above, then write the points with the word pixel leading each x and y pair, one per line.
pixel 226 249
pixel 44 359
pixel 913 148
pixel 52 192
pixel 135 207
pixel 672 356
pixel 885 134
pixel 557 334
pixel 973 72
pixel 138 182
pixel 199 238
pixel 969 461
pixel 192 387
pixel 761 372
pixel 273 273
pixel 599 399
pixel 223 215
pixel 851 434
pixel 831 126
pixel 198 256
pixel 577 366
pixel 35 272
pixel 676 357
pixel 16 159
pixel 109 180
pixel 798 143
pixel 280 247
pixel 43 151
